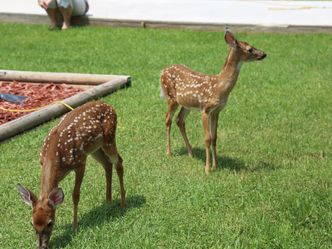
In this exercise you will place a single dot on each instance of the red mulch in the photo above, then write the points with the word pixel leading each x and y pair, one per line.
pixel 38 95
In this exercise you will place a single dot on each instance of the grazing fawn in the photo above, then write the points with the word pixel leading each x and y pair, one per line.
pixel 89 129
pixel 207 93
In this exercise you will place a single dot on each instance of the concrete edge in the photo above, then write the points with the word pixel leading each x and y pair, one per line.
pixel 86 20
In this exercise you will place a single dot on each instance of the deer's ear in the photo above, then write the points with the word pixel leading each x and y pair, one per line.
pixel 56 197
pixel 230 39
pixel 27 196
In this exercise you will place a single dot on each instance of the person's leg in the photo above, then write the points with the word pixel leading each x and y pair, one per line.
pixel 66 13
pixel 65 8
pixel 51 10
pixel 52 14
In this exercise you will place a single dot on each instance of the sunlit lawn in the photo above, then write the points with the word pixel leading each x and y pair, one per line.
pixel 273 185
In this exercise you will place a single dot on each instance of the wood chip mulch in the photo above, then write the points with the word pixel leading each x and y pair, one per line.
pixel 38 95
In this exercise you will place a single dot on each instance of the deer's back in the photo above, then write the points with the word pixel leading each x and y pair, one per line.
pixel 79 133
pixel 188 87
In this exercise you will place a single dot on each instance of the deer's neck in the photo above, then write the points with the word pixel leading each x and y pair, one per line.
pixel 51 168
pixel 231 70
pixel 49 177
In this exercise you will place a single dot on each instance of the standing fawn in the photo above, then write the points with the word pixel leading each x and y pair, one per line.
pixel 207 93
pixel 89 129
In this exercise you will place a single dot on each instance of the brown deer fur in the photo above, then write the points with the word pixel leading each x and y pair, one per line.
pixel 208 93
pixel 89 129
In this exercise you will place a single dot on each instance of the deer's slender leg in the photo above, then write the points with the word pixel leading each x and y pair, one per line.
pixel 100 156
pixel 169 116
pixel 79 174
pixel 112 153
pixel 213 128
pixel 119 171
pixel 205 120
pixel 180 120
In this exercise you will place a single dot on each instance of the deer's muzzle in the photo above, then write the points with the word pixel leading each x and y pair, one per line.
pixel 262 57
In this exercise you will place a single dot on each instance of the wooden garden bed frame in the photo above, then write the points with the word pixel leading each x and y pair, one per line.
pixel 97 85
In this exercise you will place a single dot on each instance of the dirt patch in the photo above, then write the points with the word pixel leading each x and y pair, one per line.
pixel 37 96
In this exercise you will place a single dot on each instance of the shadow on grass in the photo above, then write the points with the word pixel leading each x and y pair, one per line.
pixel 225 162
pixel 97 216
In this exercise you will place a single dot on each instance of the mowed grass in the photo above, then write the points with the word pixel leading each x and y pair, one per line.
pixel 273 185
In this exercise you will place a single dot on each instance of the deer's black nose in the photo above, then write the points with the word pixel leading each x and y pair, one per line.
pixel 262 57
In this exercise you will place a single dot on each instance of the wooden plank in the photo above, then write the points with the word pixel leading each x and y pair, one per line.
pixel 41 83
pixel 68 78
pixel 31 120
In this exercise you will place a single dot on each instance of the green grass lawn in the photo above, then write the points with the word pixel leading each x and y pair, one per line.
pixel 273 185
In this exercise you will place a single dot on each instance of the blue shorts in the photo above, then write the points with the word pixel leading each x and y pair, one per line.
pixel 80 7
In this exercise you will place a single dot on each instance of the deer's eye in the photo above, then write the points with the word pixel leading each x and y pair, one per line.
pixel 250 50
